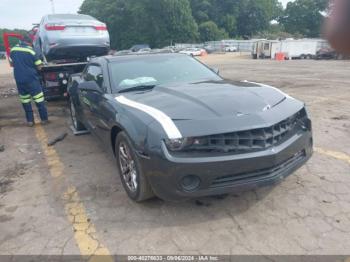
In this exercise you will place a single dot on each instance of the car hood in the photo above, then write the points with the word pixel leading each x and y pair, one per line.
pixel 209 99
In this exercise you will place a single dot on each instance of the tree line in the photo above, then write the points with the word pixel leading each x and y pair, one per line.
pixel 164 22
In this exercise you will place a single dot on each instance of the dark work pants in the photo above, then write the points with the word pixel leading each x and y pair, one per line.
pixel 27 93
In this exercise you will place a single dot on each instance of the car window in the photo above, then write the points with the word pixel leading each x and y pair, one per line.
pixel 157 70
pixel 94 73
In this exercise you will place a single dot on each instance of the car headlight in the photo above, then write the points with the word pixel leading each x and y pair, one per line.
pixel 180 144
pixel 176 144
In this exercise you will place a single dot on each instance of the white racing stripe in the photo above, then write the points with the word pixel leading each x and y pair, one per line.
pixel 264 85
pixel 166 122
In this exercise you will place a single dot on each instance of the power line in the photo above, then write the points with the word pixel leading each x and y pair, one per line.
pixel 52 6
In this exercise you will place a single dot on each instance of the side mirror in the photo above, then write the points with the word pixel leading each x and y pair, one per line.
pixel 90 86
pixel 99 80
pixel 215 70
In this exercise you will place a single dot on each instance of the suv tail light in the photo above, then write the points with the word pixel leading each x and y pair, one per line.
pixel 101 27
pixel 54 27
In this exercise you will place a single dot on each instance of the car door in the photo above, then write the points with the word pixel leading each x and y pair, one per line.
pixel 89 98
pixel 97 110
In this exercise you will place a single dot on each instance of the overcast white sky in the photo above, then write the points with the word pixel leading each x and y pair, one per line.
pixel 22 13
pixel 284 2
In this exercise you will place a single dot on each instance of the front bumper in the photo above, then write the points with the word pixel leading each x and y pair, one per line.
pixel 226 174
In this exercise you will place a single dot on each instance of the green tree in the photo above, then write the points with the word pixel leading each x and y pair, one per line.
pixel 304 17
pixel 160 22
pixel 237 17
pixel 229 22
pixel 200 10
pixel 171 21
pixel 256 15
pixel 210 31
pixel 155 22
pixel 224 13
pixel 276 31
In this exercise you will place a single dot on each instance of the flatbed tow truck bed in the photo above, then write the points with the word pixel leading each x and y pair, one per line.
pixel 52 65
pixel 54 78
pixel 54 75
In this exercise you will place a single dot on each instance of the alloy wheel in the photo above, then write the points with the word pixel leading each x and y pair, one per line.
pixel 127 167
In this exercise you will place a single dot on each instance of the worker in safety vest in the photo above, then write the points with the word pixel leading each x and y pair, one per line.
pixel 26 65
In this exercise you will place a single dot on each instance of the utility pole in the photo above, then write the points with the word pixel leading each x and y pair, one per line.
pixel 52 6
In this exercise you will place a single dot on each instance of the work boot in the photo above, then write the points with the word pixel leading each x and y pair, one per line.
pixel 30 124
pixel 44 122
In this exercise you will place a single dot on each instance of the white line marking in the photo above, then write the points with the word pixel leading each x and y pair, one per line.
pixel 272 87
pixel 168 125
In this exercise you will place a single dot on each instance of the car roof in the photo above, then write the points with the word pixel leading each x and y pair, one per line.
pixel 130 56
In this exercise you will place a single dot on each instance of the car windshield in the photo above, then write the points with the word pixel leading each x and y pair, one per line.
pixel 131 71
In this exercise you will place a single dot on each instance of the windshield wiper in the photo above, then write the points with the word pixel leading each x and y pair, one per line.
pixel 137 88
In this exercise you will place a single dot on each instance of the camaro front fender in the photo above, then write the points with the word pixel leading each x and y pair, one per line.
pixel 134 128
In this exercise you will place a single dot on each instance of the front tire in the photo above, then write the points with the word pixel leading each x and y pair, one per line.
pixel 134 181
pixel 73 114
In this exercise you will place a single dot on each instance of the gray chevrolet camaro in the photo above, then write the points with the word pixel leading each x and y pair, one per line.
pixel 178 130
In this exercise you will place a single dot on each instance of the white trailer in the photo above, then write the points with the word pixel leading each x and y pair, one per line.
pixel 292 49
pixel 303 48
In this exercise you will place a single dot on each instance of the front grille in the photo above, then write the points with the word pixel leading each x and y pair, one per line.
pixel 260 174
pixel 249 140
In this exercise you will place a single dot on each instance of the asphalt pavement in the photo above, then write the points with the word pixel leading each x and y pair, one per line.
pixel 68 198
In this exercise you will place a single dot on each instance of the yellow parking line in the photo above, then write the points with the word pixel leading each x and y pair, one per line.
pixel 335 154
pixel 84 231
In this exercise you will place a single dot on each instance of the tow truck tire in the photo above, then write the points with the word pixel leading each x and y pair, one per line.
pixel 73 114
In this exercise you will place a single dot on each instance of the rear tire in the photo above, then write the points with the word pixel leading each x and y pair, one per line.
pixel 134 181
pixel 73 114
